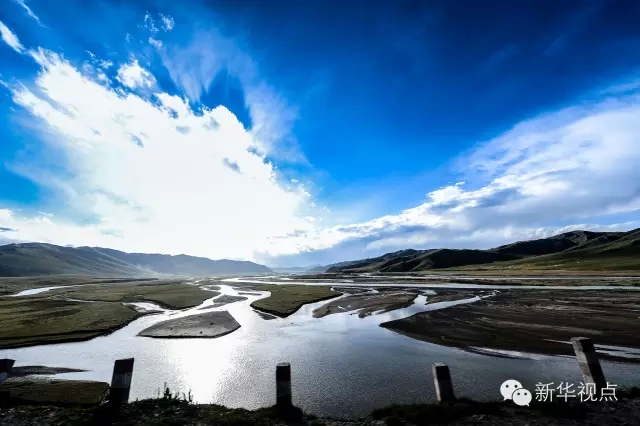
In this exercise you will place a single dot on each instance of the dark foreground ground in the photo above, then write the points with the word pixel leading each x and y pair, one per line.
pixel 171 411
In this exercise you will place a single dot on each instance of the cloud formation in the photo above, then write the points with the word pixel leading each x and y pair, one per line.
pixel 142 169
pixel 134 76
pixel 145 173
pixel 574 165
pixel 10 38
pixel 27 9
pixel 196 62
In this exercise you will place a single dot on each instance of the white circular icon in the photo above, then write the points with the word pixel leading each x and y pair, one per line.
pixel 508 387
pixel 521 397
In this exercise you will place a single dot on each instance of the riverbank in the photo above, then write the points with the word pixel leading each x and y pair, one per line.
pixel 12 285
pixel 498 278
pixel 176 411
pixel 368 303
pixel 285 299
pixel 72 314
pixel 534 321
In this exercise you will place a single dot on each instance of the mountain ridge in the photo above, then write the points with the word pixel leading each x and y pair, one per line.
pixel 33 259
pixel 573 249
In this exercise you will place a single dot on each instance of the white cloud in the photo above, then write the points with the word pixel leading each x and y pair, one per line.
pixel 167 22
pixel 27 9
pixel 150 24
pixel 10 38
pixel 577 164
pixel 134 76
pixel 194 66
pixel 155 43
pixel 149 174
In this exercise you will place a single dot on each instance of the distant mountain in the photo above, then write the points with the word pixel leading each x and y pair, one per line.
pixel 317 269
pixel 576 249
pixel 556 244
pixel 420 260
pixel 620 251
pixel 31 259
pixel 298 269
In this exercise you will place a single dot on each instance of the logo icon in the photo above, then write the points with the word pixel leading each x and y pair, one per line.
pixel 521 397
pixel 513 390
pixel 509 387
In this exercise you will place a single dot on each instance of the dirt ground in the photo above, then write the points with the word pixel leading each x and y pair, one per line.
pixel 538 321
pixel 463 413
pixel 367 303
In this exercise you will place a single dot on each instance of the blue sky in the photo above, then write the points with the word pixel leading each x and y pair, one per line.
pixel 299 133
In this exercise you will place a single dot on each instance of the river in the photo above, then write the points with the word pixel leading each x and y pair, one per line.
pixel 342 365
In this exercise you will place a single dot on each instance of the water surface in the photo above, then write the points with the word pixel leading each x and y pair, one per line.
pixel 342 365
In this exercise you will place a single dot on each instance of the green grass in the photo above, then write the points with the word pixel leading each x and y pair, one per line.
pixel 285 299
pixel 172 295
pixel 573 251
pixel 42 319
pixel 59 392
pixel 9 285
pixel 33 321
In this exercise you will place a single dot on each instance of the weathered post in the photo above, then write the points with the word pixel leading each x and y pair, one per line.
pixel 588 361
pixel 121 382
pixel 283 387
pixel 442 380
pixel 6 365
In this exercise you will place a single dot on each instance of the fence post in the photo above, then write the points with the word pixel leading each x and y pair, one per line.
pixel 283 386
pixel 442 380
pixel 6 365
pixel 121 382
pixel 588 361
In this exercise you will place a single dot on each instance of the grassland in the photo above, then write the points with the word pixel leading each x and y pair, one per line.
pixel 36 321
pixel 526 271
pixel 85 308
pixel 10 285
pixel 285 299
pixel 172 295
pixel 484 277
pixel 31 320
pixel 60 392
pixel 571 251
pixel 522 281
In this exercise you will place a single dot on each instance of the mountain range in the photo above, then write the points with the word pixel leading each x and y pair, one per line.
pixel 571 250
pixel 584 250
pixel 32 259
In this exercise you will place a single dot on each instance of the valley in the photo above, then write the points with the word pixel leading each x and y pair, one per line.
pixel 512 317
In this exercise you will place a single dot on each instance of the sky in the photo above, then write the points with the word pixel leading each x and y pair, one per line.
pixel 307 133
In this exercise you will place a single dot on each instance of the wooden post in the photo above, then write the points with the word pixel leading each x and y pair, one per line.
pixel 588 361
pixel 283 386
pixel 5 400
pixel 121 382
pixel 6 365
pixel 442 381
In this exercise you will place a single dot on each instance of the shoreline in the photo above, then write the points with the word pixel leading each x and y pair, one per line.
pixel 285 312
pixel 533 322
pixel 71 339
